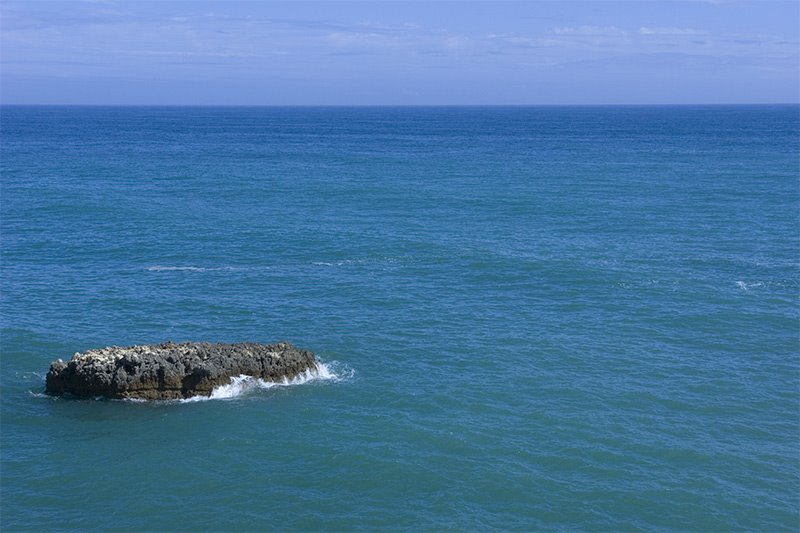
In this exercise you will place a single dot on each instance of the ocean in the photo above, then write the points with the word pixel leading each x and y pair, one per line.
pixel 529 318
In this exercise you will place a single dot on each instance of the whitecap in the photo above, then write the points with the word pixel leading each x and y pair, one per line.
pixel 241 385
pixel 160 268
pixel 31 375
pixel 349 262
pixel 747 286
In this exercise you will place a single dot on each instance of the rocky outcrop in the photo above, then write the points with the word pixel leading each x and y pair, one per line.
pixel 172 371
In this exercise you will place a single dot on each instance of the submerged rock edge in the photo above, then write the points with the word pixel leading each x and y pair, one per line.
pixel 170 371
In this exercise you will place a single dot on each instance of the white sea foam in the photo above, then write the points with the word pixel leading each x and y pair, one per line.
pixel 192 268
pixel 339 263
pixel 745 286
pixel 241 385
pixel 160 268
pixel 365 261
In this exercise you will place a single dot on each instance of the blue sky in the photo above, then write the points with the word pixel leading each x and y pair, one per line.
pixel 352 53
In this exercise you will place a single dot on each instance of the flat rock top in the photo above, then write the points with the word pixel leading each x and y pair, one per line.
pixel 183 350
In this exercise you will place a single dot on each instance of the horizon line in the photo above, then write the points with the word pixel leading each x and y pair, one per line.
pixel 655 104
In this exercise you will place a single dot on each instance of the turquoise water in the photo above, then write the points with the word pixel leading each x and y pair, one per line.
pixel 581 318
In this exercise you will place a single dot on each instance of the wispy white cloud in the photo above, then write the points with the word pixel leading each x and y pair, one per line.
pixel 657 30
pixel 184 53
pixel 587 30
pixel 352 38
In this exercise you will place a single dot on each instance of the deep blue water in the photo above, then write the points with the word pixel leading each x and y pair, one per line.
pixel 582 318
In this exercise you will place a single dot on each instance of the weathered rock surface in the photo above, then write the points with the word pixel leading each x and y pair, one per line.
pixel 172 371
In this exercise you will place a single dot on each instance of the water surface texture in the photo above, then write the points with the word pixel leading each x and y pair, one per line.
pixel 579 318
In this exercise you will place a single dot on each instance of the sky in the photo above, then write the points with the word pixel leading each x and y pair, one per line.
pixel 399 53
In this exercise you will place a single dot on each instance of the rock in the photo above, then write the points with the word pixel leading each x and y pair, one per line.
pixel 172 371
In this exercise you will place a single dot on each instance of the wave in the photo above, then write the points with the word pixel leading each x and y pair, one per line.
pixel 745 286
pixel 363 261
pixel 344 262
pixel 381 261
pixel 160 268
pixel 242 385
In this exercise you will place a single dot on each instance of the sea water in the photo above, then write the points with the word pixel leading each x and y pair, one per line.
pixel 576 318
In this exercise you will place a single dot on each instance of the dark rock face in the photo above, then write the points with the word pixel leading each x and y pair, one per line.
pixel 172 371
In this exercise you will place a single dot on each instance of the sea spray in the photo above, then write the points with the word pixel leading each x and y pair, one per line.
pixel 243 384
